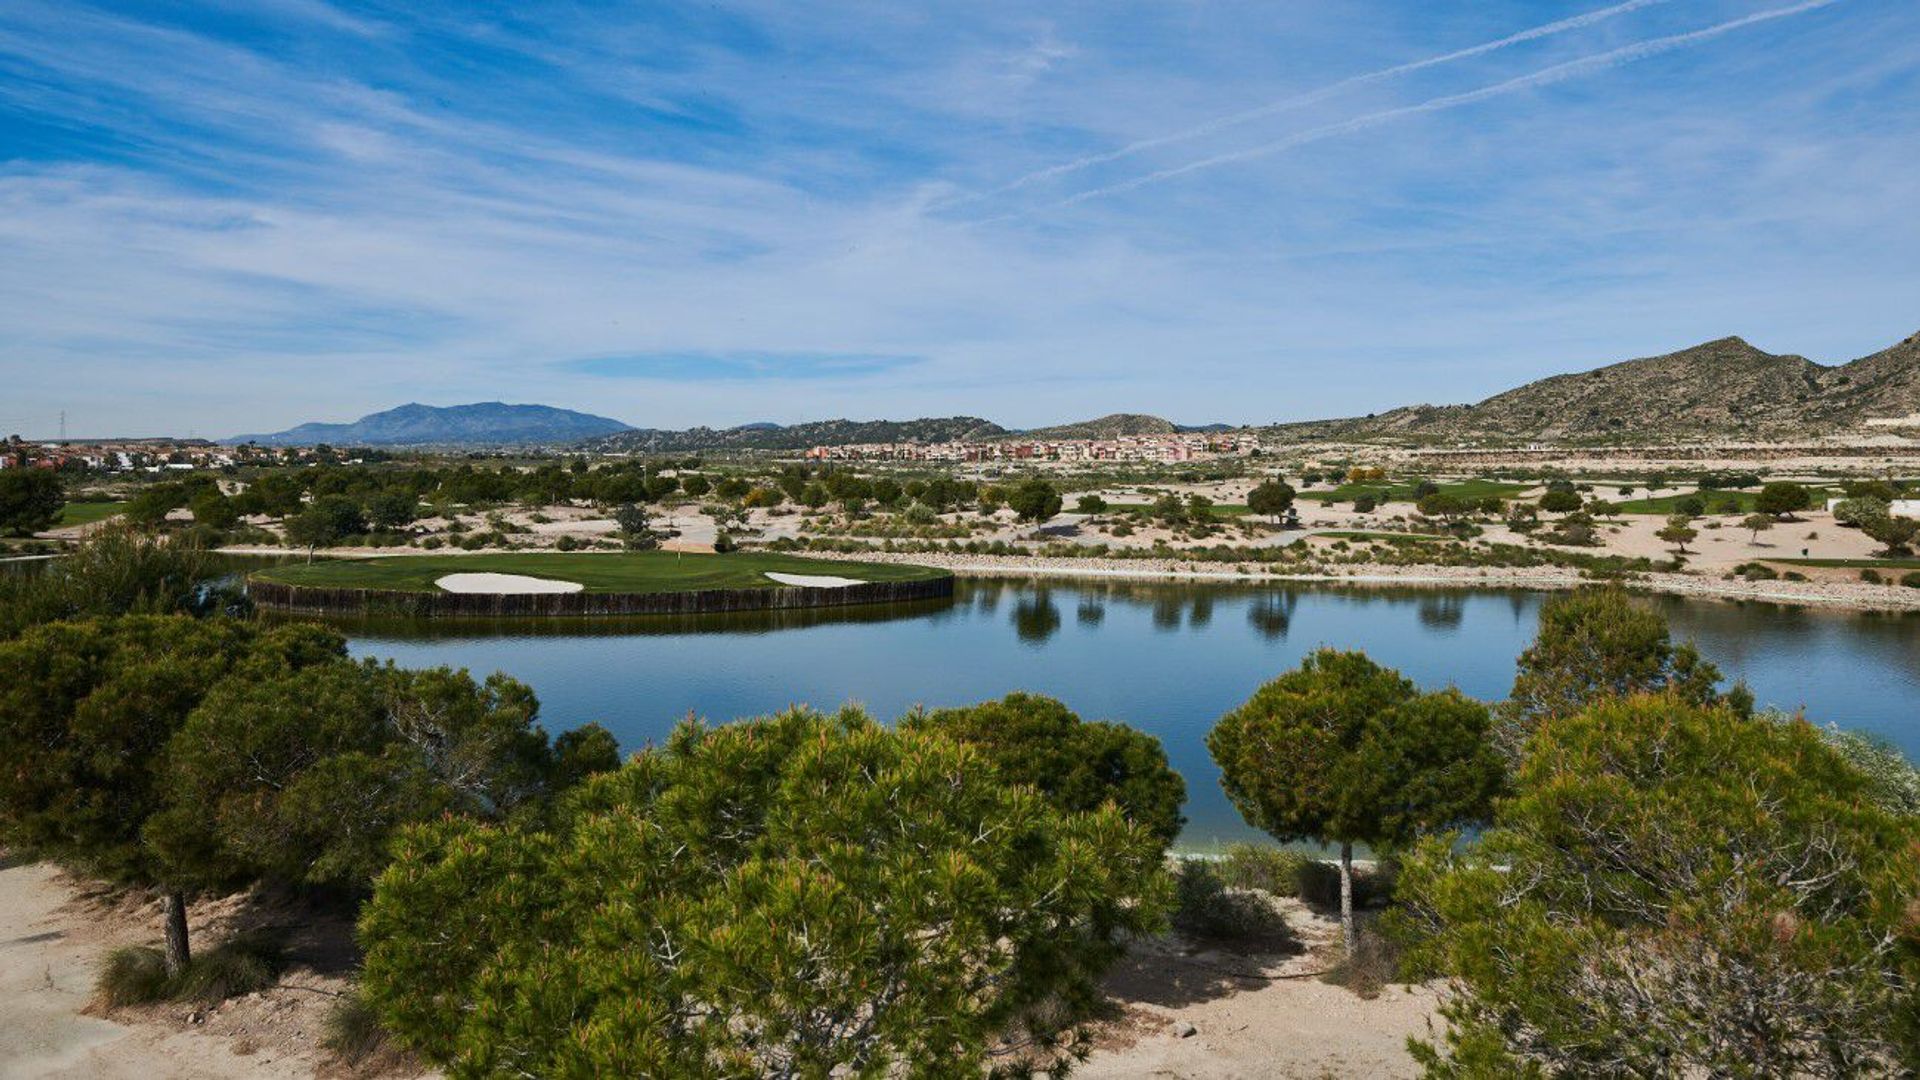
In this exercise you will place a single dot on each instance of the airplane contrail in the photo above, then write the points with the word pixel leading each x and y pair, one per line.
pixel 1302 100
pixel 1557 73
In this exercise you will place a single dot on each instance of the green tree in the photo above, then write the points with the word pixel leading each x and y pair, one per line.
pixel 302 775
pixel 86 712
pixel 1755 524
pixel 1441 505
pixel 1077 765
pixel 1895 533
pixel 30 500
pixel 1270 498
pixel 696 486
pixel 392 509
pixel 1782 498
pixel 1345 751
pixel 1034 499
pixel 214 510
pixel 1597 644
pixel 1678 531
pixel 117 571
pixel 1090 504
pixel 636 527
pixel 326 521
pixel 1560 502
pixel 1674 890
pixel 799 895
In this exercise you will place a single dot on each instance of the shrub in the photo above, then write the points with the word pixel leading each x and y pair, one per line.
pixel 1206 908
pixel 133 975
pixel 353 1032
pixel 240 965
pixel 1871 576
pixel 1373 963
pixel 1911 580
pixel 1674 890
pixel 649 929
pixel 137 974
pixel 1272 869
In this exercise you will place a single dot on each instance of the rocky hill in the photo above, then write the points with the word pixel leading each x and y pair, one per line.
pixel 1721 389
pixel 1106 427
pixel 487 423
pixel 799 436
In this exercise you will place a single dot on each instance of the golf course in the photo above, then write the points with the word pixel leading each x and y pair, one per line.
pixel 623 572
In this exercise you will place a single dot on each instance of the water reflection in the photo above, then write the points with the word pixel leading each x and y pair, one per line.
pixel 1167 658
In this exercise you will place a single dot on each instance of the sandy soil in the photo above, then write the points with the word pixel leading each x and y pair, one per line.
pixel 514 584
pixel 54 931
pixel 1252 1015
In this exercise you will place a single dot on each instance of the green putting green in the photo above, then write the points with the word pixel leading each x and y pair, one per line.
pixel 613 572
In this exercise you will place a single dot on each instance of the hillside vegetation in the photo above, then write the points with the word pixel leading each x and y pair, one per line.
pixel 1724 389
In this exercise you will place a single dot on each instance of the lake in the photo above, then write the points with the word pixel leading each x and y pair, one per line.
pixel 1165 658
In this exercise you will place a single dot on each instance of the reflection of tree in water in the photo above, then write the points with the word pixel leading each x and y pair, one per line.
pixel 1442 611
pixel 1272 613
pixel 1201 613
pixel 1036 617
pixel 1167 608
pixel 1092 610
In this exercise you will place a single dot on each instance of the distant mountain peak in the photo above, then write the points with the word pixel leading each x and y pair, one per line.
pixel 482 423
pixel 1726 387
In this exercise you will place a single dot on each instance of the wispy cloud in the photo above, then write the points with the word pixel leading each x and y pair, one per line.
pixel 1302 100
pixel 225 217
pixel 1561 72
pixel 773 364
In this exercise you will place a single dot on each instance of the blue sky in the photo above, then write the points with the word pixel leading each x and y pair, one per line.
pixel 238 215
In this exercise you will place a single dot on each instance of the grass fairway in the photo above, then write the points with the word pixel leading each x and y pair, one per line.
pixel 86 513
pixel 1470 490
pixel 1719 503
pixel 623 572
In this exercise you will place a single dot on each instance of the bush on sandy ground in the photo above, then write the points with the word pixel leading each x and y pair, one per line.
pixel 1207 909
pixel 1275 870
pixel 137 974
pixel 353 1031
pixel 1374 962
pixel 134 975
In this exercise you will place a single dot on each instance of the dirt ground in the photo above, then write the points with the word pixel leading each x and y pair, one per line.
pixel 1251 1016
pixel 54 932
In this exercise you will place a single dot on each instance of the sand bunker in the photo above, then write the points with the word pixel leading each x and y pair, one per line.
pixel 505 583
pixel 814 581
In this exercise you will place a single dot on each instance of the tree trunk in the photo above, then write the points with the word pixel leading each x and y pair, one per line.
pixel 1346 897
pixel 174 909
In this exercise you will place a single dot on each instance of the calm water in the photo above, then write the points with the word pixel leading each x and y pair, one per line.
pixel 1168 659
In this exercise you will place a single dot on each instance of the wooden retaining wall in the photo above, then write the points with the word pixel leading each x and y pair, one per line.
pixel 306 599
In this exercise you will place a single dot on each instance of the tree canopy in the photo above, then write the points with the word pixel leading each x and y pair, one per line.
pixel 778 897
pixel 1675 889
pixel 1345 751
pixel 1034 499
pixel 1077 765
pixel 30 500
pixel 1596 644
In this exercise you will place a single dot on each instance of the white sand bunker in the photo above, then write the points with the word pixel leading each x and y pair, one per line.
pixel 505 583
pixel 814 581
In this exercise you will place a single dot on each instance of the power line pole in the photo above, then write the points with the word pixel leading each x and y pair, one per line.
pixel 63 425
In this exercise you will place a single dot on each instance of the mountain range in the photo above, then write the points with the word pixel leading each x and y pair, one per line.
pixel 482 423
pixel 1726 388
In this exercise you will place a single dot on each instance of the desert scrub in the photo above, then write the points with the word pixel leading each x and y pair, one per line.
pixel 1207 909
pixel 353 1032
pixel 137 974
pixel 1271 869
